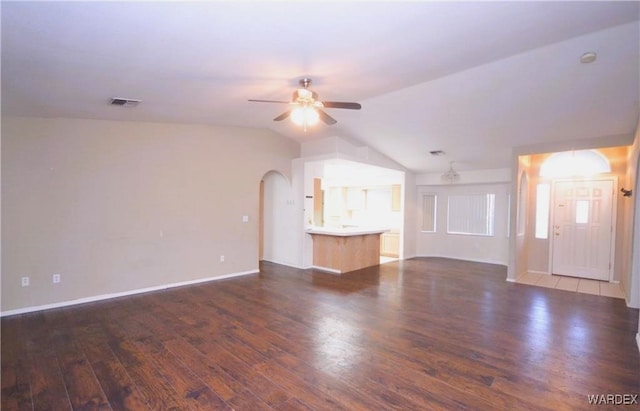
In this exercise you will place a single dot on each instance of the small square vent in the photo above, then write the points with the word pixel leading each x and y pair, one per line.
pixel 126 102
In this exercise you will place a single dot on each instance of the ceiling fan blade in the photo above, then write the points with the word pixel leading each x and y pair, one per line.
pixel 270 101
pixel 282 116
pixel 341 104
pixel 327 119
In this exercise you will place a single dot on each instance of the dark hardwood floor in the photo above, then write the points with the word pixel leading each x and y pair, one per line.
pixel 419 334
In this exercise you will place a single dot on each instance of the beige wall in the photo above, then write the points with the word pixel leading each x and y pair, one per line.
pixel 121 206
pixel 538 249
pixel 490 249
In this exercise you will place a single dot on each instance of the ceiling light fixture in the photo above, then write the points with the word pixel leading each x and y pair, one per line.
pixel 305 116
pixel 588 57
pixel 450 176
pixel 307 109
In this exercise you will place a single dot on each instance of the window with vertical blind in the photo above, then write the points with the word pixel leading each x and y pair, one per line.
pixel 429 213
pixel 471 214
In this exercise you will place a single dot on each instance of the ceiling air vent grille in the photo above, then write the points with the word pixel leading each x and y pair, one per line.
pixel 125 102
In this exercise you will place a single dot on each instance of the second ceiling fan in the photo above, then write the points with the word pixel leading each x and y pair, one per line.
pixel 306 109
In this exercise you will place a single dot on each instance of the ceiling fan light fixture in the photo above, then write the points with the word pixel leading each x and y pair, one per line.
pixel 307 109
pixel 304 94
pixel 305 116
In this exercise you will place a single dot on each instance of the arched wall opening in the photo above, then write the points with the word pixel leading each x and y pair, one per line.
pixel 277 217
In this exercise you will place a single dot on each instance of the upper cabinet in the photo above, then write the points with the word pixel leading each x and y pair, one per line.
pixel 396 197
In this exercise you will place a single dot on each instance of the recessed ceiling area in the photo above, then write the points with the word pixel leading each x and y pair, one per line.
pixel 473 79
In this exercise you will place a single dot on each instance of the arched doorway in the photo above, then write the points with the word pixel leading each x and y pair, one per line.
pixel 276 226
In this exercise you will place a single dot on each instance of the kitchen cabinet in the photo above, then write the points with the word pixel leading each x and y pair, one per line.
pixel 390 245
pixel 396 197
pixel 343 250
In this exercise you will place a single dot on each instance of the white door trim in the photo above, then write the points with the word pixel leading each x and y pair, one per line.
pixel 614 217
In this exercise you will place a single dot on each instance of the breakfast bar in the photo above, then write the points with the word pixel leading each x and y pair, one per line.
pixel 341 250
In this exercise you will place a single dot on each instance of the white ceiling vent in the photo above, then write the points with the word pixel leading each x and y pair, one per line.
pixel 126 102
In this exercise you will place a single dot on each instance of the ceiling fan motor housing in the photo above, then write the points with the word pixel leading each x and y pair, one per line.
pixel 303 95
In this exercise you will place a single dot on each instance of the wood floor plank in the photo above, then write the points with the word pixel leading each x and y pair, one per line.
pixel 425 333
pixel 120 391
pixel 157 392
pixel 16 391
pixel 382 394
pixel 294 404
pixel 205 368
pixel 82 385
pixel 48 390
pixel 268 391
pixel 246 400
pixel 309 393
pixel 193 391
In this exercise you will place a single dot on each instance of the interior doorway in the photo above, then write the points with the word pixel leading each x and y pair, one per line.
pixel 277 230
pixel 583 228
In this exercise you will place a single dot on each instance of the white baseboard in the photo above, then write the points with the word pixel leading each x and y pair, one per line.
pixel 475 260
pixel 327 269
pixel 121 294
pixel 538 272
pixel 511 280
pixel 285 264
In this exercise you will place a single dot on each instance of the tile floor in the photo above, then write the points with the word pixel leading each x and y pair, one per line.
pixel 579 285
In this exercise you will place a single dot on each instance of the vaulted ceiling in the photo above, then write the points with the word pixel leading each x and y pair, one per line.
pixel 473 79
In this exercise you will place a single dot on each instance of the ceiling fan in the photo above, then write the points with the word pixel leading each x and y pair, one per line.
pixel 306 108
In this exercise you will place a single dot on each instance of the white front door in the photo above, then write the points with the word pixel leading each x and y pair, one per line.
pixel 582 228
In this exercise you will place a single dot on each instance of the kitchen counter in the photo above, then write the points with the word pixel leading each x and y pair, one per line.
pixel 345 232
pixel 340 250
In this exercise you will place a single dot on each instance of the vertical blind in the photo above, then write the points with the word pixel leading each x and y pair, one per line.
pixel 471 214
pixel 429 213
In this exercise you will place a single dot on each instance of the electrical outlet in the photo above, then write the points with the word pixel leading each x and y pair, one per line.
pixel 245 218
pixel 25 281
pixel 222 259
pixel 56 278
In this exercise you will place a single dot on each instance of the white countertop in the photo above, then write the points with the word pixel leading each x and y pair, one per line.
pixel 346 232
